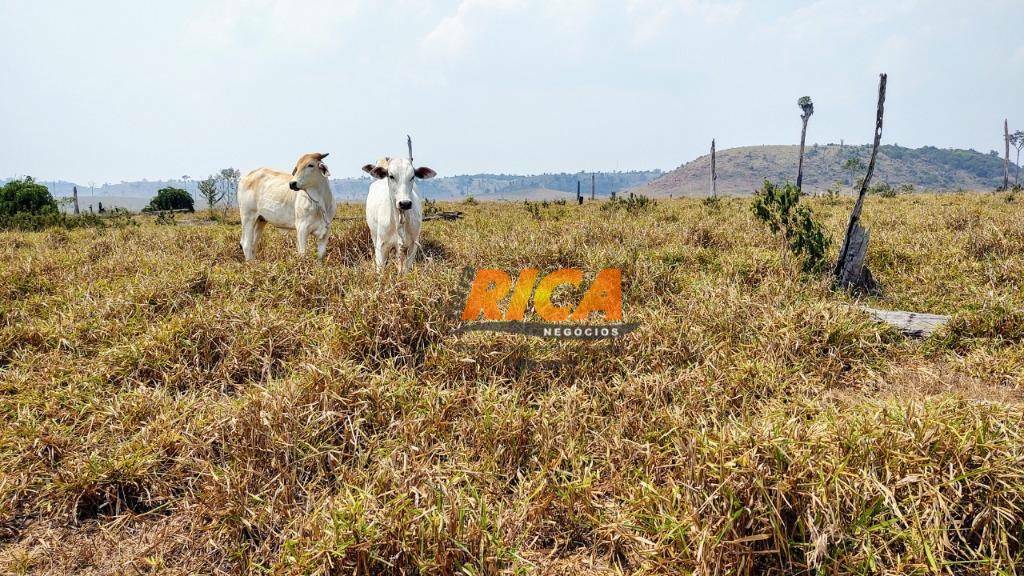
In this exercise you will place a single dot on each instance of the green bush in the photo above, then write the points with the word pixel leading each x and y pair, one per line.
pixel 712 202
pixel 25 197
pixel 429 207
pixel 633 203
pixel 883 189
pixel 171 199
pixel 779 207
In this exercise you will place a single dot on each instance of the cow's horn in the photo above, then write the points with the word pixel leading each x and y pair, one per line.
pixel 322 156
pixel 408 140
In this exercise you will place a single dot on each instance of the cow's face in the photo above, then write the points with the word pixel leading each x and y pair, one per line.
pixel 309 172
pixel 399 174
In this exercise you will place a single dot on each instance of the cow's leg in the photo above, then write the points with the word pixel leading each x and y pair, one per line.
pixel 321 236
pixel 380 254
pixel 399 257
pixel 248 231
pixel 257 234
pixel 302 237
pixel 410 258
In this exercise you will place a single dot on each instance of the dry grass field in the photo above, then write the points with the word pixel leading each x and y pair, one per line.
pixel 168 409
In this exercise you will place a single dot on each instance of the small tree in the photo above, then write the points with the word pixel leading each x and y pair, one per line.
pixel 209 190
pixel 779 207
pixel 807 107
pixel 227 182
pixel 852 165
pixel 1017 140
pixel 26 197
pixel 171 199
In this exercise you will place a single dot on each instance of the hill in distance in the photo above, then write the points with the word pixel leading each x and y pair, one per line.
pixel 743 170
pixel 740 171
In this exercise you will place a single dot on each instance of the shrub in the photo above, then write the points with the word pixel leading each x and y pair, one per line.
pixel 712 202
pixel 25 197
pixel 779 207
pixel 833 192
pixel 429 207
pixel 884 189
pixel 544 209
pixel 171 199
pixel 165 219
pixel 532 208
pixel 632 204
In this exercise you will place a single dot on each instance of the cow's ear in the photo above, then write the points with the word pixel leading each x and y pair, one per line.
pixel 323 168
pixel 377 172
pixel 424 173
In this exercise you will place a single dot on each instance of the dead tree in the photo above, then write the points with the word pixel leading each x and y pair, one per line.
pixel 714 173
pixel 579 197
pixel 807 107
pixel 850 272
pixel 593 186
pixel 1006 158
pixel 74 197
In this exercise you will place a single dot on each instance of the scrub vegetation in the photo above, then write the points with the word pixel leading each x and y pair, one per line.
pixel 168 409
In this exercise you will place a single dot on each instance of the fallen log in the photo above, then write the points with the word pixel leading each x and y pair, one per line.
pixel 455 215
pixel 911 324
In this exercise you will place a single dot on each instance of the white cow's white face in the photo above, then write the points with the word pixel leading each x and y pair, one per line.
pixel 309 172
pixel 400 174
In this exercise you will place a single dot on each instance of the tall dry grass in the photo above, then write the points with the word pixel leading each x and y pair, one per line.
pixel 169 409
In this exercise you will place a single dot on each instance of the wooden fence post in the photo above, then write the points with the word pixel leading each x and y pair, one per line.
pixel 714 172
pixel 1006 158
pixel 850 271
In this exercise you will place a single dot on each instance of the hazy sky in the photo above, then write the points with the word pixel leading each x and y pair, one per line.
pixel 111 91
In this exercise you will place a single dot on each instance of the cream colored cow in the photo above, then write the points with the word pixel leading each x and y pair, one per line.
pixel 301 201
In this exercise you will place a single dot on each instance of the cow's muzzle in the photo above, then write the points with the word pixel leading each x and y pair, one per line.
pixel 294 185
pixel 405 204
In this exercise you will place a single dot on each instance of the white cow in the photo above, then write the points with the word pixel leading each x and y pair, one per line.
pixel 394 211
pixel 301 201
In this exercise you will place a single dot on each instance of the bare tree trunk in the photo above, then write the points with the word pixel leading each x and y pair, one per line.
pixel 593 186
pixel 74 196
pixel 714 174
pixel 800 165
pixel 579 197
pixel 1006 160
pixel 855 242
